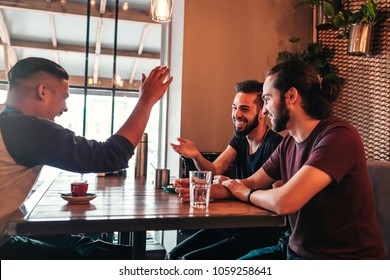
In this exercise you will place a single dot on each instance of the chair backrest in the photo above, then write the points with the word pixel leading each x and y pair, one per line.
pixel 380 178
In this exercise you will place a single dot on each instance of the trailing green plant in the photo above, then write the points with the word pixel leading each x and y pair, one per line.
pixel 368 14
pixel 316 55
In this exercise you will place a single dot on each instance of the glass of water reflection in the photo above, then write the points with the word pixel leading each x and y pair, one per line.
pixel 200 182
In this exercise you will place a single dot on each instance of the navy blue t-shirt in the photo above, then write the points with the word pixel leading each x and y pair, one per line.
pixel 247 164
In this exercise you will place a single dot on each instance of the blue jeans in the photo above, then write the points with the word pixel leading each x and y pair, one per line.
pixel 46 247
pixel 278 252
pixel 227 244
pixel 281 251
pixel 62 247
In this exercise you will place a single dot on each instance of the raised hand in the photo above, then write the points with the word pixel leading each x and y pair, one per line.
pixel 151 90
pixel 186 148
pixel 153 87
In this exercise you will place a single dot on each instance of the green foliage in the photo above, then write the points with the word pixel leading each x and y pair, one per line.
pixel 315 55
pixel 298 55
pixel 294 40
pixel 329 9
pixel 368 14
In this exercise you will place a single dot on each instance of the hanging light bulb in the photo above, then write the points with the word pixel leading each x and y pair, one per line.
pixel 125 6
pixel 161 10
pixel 118 80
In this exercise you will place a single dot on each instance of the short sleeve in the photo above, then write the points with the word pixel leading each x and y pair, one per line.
pixel 337 151
pixel 235 143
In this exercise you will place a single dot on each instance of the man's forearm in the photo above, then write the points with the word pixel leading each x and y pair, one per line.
pixel 202 163
pixel 218 191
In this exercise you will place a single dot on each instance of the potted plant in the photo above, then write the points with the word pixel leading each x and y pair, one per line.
pixel 325 11
pixel 358 27
pixel 316 55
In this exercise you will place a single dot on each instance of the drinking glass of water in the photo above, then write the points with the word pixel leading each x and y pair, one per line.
pixel 200 182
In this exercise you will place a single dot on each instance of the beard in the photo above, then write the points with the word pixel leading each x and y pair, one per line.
pixel 251 126
pixel 280 121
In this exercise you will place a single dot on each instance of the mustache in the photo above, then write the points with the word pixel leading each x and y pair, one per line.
pixel 240 119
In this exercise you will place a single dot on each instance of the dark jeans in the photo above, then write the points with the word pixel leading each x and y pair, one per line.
pixel 227 244
pixel 61 247
pixel 281 251
pixel 278 252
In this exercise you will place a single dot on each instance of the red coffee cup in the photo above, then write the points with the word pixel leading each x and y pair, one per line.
pixel 79 188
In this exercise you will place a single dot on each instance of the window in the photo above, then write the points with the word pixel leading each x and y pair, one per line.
pixel 105 50
pixel 3 93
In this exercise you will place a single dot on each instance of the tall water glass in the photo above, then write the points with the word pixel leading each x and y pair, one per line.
pixel 200 182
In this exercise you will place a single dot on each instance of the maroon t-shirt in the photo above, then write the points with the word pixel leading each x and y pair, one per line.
pixel 339 222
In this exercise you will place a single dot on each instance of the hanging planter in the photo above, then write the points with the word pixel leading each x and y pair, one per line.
pixel 324 15
pixel 360 39
pixel 358 27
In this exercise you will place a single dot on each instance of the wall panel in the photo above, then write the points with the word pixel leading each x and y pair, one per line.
pixel 366 96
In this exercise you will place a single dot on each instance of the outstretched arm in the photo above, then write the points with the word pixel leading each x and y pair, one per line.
pixel 188 149
pixel 287 199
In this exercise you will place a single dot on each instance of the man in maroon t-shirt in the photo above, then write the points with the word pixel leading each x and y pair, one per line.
pixel 327 193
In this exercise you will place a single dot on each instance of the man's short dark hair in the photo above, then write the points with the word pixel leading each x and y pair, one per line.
pixel 249 86
pixel 253 87
pixel 24 68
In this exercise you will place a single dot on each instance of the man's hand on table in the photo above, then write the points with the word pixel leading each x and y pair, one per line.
pixel 183 189
pixel 217 191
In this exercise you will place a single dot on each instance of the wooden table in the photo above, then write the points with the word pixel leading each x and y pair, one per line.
pixel 127 204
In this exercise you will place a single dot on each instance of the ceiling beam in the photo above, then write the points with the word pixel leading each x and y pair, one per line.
pixel 81 49
pixel 53 30
pixel 103 82
pixel 103 6
pixel 98 49
pixel 140 51
pixel 77 9
pixel 54 36
pixel 98 45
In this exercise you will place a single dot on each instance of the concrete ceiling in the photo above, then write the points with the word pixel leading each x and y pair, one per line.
pixel 57 30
